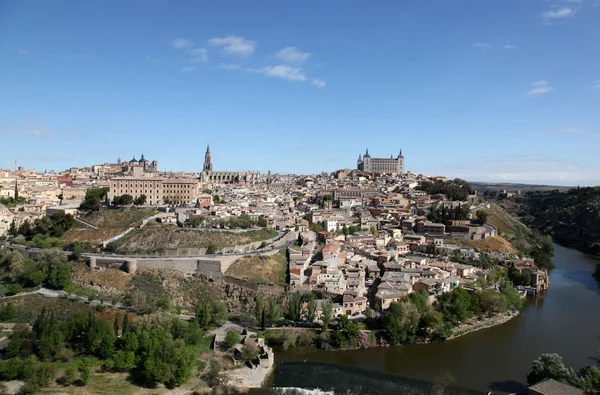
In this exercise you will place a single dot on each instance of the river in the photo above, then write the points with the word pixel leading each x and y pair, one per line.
pixel 565 320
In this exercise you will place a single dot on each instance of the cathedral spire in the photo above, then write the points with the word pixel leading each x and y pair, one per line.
pixel 207 160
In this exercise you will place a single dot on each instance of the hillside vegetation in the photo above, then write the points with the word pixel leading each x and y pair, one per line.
pixel 261 268
pixel 118 218
pixel 154 238
pixel 528 243
pixel 507 225
pixel 110 223
pixel 572 218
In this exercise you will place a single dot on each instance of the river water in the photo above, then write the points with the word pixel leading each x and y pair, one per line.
pixel 565 320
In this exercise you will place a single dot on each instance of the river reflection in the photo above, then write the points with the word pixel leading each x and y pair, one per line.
pixel 565 320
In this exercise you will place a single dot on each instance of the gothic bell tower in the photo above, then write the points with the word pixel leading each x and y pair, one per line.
pixel 207 160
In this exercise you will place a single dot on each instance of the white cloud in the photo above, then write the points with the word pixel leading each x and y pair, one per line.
pixel 23 51
pixel 318 83
pixel 188 69
pixel 558 14
pixel 483 46
pixel 292 55
pixel 229 66
pixel 198 55
pixel 234 45
pixel 152 60
pixel 284 71
pixel 36 130
pixel 539 88
pixel 520 168
pixel 510 46
pixel 182 43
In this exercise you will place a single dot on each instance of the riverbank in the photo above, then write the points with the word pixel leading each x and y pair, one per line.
pixel 482 324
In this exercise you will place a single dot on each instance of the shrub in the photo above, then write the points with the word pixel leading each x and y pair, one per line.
pixel 232 338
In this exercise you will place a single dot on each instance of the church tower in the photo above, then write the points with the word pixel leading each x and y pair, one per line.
pixel 207 160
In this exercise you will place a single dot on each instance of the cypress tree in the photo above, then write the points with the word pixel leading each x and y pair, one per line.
pixel 125 327
pixel 116 325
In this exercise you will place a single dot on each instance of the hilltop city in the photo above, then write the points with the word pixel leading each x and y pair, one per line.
pixel 376 254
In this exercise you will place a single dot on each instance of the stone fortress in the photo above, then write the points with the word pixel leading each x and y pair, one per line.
pixel 389 165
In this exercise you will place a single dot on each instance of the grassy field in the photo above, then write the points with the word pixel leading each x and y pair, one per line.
pixel 261 269
pixel 167 237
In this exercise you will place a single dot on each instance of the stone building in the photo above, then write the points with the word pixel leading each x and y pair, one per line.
pixel 225 177
pixel 389 165
pixel 176 190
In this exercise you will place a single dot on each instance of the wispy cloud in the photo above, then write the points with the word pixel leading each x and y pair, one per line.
pixel 188 69
pixel 37 130
pixel 521 168
pixel 292 55
pixel 482 46
pixel 284 71
pixel 182 43
pixel 23 51
pixel 234 45
pixel 318 83
pixel 539 88
pixel 510 46
pixel 559 13
pixel 195 54
pixel 229 66
pixel 198 55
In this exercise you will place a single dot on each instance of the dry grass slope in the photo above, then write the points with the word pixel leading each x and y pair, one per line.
pixel 261 269
pixel 508 226
pixel 169 238
pixel 94 236
pixel 492 244
pixel 118 218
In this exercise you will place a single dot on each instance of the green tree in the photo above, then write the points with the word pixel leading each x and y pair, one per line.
pixel 100 338
pixel 116 325
pixel 401 322
pixel 550 366
pixel 140 200
pixel 83 367
pixel 232 338
pixel 212 249
pixel 250 352
pixel 327 313
pixel 12 230
pixel 93 197
pixel 162 359
pixel 274 313
pixel 311 312
pixel 259 310
pixel 60 277
pixel 482 216
pixel 430 249
pixel 125 327
pixel 69 376
pixel 204 316
pixel 294 307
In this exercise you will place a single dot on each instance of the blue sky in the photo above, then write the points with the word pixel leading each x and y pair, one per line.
pixel 503 90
